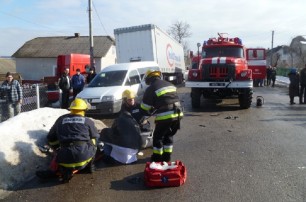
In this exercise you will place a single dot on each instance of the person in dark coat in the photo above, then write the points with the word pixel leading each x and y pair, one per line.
pixel 273 75
pixel 294 84
pixel 122 141
pixel 90 75
pixel 130 105
pixel 303 86
pixel 74 138
pixel 66 87
pixel 77 83
pixel 269 69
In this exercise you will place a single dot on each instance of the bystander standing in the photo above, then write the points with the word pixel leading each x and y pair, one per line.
pixel 90 75
pixel 303 86
pixel 294 84
pixel 65 85
pixel 273 75
pixel 77 82
pixel 12 92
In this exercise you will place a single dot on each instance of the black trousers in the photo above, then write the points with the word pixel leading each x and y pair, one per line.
pixel 65 99
pixel 164 132
pixel 76 91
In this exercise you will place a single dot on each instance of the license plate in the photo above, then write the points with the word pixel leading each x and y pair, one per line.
pixel 216 84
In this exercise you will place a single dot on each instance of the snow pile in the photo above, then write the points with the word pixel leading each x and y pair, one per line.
pixel 20 135
pixel 19 153
pixel 282 80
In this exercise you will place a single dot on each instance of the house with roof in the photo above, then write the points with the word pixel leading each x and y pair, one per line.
pixel 290 56
pixel 37 58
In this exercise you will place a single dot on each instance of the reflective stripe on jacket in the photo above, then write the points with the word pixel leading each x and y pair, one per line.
pixel 161 96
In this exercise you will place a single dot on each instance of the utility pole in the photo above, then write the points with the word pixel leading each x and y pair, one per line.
pixel 92 62
pixel 271 54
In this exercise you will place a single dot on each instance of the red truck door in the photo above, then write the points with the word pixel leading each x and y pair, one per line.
pixel 256 58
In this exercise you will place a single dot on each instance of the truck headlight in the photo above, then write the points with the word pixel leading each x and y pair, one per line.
pixel 108 98
pixel 195 74
pixel 243 74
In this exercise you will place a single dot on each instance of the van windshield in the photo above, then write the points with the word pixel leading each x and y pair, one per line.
pixel 112 78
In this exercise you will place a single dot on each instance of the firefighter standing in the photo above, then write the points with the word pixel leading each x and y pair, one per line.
pixel 74 136
pixel 161 98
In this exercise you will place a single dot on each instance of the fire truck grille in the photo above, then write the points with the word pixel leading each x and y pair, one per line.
pixel 219 72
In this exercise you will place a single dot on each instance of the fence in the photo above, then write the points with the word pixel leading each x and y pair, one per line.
pixel 34 97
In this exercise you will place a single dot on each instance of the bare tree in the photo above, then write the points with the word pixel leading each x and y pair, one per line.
pixel 179 30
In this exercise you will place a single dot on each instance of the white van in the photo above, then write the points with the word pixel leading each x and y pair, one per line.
pixel 104 92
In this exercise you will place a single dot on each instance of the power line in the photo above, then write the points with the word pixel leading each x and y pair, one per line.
pixel 99 19
pixel 28 21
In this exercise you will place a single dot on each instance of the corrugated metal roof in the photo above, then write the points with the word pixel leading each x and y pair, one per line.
pixel 50 47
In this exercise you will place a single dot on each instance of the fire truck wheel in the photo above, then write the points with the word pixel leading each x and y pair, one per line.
pixel 196 98
pixel 245 99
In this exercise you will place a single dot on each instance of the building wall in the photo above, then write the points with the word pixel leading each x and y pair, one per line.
pixel 35 68
pixel 109 59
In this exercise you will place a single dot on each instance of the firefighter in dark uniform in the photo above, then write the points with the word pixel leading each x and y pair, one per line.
pixel 74 138
pixel 161 99
pixel 130 105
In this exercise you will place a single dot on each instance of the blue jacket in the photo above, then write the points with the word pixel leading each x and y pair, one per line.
pixel 78 81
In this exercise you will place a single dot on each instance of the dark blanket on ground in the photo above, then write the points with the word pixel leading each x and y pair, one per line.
pixel 125 132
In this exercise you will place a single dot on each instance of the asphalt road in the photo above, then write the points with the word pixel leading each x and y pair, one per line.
pixel 258 154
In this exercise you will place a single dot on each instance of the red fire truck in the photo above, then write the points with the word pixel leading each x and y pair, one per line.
pixel 256 58
pixel 223 72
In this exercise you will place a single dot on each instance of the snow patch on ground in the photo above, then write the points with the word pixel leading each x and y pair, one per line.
pixel 20 135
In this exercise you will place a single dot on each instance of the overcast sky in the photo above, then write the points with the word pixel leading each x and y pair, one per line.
pixel 252 21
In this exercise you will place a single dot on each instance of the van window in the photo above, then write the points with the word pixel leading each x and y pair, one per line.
pixel 112 78
pixel 133 78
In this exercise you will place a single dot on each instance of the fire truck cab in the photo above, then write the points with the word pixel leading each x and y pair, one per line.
pixel 222 73
pixel 256 58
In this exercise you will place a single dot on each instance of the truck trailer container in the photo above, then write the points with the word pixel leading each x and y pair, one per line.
pixel 150 43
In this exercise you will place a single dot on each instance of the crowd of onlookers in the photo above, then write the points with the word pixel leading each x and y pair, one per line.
pixel 297 86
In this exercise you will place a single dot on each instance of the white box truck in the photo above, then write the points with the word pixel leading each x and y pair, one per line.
pixel 150 43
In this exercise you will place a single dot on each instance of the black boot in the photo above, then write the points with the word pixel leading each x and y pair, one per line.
pixel 166 156
pixel 291 101
pixel 90 167
pixel 156 158
pixel 66 174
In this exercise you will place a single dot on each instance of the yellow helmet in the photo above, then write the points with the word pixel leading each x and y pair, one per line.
pixel 78 104
pixel 128 94
pixel 152 73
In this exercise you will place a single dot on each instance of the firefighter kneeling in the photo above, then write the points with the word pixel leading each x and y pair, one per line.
pixel 73 138
pixel 161 100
